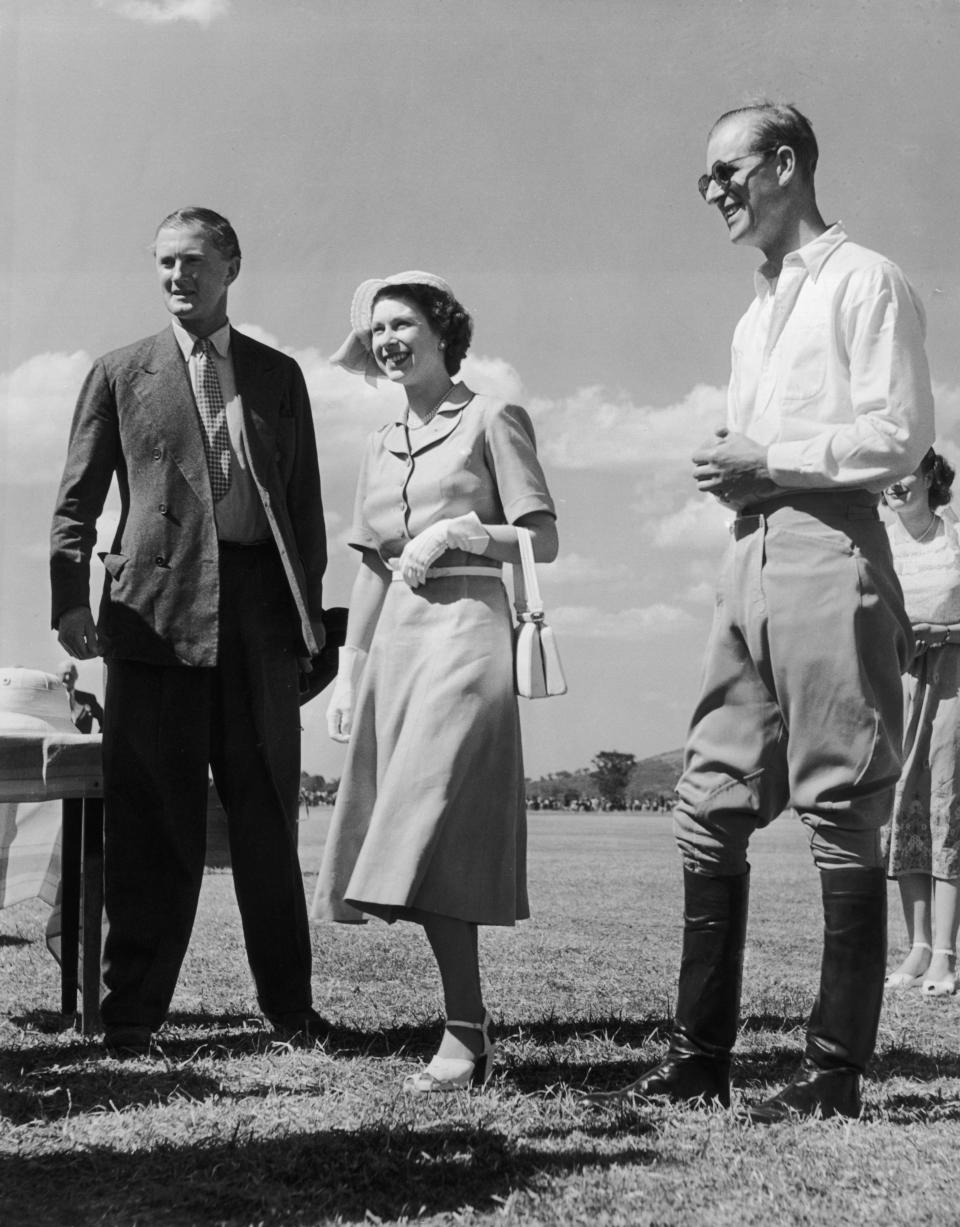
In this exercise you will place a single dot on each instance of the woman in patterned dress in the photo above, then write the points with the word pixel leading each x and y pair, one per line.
pixel 430 819
pixel 923 839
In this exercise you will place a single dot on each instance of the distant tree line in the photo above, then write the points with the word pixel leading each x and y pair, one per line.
pixel 315 790
pixel 615 781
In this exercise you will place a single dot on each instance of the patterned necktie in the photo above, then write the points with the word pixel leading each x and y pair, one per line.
pixel 213 415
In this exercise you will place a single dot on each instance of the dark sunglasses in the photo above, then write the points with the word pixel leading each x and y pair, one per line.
pixel 722 172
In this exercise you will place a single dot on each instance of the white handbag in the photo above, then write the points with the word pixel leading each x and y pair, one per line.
pixel 538 673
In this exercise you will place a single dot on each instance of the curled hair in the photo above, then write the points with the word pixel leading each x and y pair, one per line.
pixel 780 123
pixel 941 475
pixel 450 322
pixel 216 227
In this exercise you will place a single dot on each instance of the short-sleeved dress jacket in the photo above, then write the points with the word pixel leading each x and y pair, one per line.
pixel 431 814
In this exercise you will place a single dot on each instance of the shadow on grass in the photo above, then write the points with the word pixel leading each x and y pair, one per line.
pixel 909 1109
pixel 11 939
pixel 58 1092
pixel 356 1175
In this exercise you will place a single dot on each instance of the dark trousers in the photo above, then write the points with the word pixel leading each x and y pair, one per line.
pixel 164 727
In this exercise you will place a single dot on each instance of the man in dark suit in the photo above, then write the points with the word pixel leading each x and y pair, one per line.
pixel 84 707
pixel 212 601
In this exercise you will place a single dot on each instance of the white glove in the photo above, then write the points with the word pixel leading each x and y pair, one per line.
pixel 462 533
pixel 350 662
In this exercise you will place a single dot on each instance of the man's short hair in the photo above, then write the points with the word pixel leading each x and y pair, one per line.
pixel 221 234
pixel 780 123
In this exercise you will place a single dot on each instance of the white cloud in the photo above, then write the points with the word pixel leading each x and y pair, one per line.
pixel 589 622
pixel 701 523
pixel 701 592
pixel 492 376
pixel 346 408
pixel 37 400
pixel 593 429
pixel 159 12
pixel 570 569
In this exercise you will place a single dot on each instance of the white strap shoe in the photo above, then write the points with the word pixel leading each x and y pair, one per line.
pixel 903 979
pixel 947 985
pixel 456 1073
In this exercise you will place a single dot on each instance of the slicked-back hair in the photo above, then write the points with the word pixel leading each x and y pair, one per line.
pixel 221 234
pixel 780 123
pixel 448 319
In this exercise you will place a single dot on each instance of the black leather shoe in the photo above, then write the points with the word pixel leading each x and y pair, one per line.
pixel 305 1028
pixel 696 1081
pixel 127 1041
pixel 813 1092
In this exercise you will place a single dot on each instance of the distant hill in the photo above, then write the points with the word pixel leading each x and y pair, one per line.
pixel 657 774
pixel 652 777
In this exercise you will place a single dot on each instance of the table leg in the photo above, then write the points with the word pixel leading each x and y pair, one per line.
pixel 70 845
pixel 92 914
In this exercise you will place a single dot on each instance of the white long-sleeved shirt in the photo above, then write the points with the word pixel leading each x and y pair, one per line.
pixel 829 371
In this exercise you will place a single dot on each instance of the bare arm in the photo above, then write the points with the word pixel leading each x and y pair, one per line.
pixel 543 532
pixel 366 600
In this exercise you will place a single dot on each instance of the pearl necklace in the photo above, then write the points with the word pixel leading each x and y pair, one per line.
pixel 931 528
pixel 428 417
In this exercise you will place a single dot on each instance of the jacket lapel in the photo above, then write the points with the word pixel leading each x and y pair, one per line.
pixel 162 386
pixel 259 393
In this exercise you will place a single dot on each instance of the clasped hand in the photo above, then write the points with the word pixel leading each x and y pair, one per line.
pixel 461 533
pixel 733 469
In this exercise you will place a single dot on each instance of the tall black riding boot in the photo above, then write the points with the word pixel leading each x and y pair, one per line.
pixel 697 1065
pixel 842 1030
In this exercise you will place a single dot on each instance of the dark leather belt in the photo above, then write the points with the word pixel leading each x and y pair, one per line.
pixel 266 543
pixel 849 504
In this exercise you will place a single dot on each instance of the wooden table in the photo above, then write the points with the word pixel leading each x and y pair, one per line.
pixel 67 767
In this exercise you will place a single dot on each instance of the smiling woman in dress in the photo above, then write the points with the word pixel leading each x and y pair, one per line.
pixel 923 839
pixel 430 819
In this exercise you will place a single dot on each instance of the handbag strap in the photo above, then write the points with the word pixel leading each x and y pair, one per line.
pixel 526 588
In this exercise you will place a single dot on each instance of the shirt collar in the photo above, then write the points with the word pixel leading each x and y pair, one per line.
pixel 812 256
pixel 220 340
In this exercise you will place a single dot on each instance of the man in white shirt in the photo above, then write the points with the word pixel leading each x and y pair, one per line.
pixel 800 707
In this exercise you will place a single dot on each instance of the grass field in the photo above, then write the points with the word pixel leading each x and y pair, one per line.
pixel 225 1127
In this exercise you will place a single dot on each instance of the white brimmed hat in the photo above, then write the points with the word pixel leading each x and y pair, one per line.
pixel 33 702
pixel 356 353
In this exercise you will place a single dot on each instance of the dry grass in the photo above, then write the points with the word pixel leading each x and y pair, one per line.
pixel 225 1127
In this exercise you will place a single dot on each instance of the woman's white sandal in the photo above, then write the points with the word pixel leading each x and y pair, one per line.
pixel 903 979
pixel 947 985
pixel 455 1073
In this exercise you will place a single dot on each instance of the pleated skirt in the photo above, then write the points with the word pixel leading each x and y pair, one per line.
pixel 430 813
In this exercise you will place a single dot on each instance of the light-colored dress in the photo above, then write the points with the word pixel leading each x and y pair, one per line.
pixel 431 813
pixel 924 835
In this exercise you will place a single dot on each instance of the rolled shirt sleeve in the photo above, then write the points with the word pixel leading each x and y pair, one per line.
pixel 880 323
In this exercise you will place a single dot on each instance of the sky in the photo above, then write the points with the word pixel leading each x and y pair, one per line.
pixel 542 155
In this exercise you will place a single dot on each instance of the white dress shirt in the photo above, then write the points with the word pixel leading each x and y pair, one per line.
pixel 829 371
